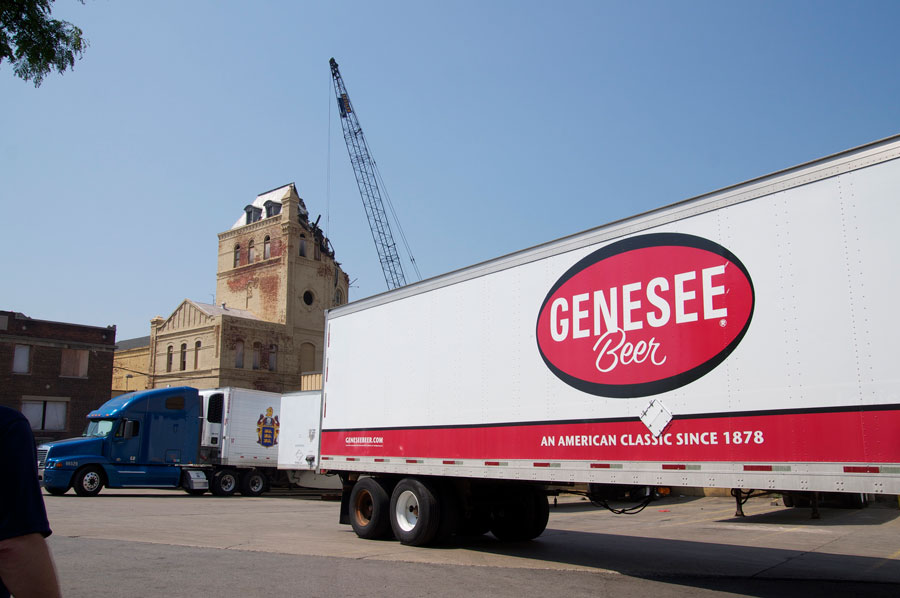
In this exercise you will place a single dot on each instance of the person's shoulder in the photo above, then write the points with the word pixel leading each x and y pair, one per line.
pixel 10 418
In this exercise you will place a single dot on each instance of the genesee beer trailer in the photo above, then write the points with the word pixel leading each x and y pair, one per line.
pixel 742 339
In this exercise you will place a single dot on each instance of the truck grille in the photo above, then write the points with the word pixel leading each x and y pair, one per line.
pixel 42 456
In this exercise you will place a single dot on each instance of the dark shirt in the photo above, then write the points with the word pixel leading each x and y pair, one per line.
pixel 21 502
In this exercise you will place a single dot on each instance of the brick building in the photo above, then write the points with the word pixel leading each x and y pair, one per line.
pixel 53 372
pixel 276 276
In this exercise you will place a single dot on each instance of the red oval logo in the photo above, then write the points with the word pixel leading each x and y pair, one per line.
pixel 645 315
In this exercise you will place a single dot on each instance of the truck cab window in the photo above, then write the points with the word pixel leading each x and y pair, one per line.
pixel 175 403
pixel 128 428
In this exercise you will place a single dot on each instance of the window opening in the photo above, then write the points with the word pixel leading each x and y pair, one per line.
pixel 74 363
pixel 175 403
pixel 257 349
pixel 197 355
pixel 237 256
pixel 22 359
pixel 169 358
pixel 183 357
pixel 251 253
pixel 239 354
pixel 45 415
pixel 267 250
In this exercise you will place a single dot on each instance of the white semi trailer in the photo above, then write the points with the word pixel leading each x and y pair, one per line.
pixel 742 339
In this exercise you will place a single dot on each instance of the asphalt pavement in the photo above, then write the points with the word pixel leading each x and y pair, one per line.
pixel 166 543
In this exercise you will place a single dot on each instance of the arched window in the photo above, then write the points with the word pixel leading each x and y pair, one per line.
pixel 257 351
pixel 302 246
pixel 169 353
pixel 267 249
pixel 182 362
pixel 197 355
pixel 237 256
pixel 308 358
pixel 338 297
pixel 251 253
pixel 273 358
pixel 239 354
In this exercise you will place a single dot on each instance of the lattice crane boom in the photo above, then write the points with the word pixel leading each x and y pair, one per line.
pixel 367 180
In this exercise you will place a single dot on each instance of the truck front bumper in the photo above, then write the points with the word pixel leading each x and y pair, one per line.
pixel 55 478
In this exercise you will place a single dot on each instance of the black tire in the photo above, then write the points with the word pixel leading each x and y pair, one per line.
pixel 224 483
pixel 788 500
pixel 476 522
pixel 523 515
pixel 192 491
pixel 56 491
pixel 857 500
pixel 88 481
pixel 253 483
pixel 415 513
pixel 370 509
pixel 451 514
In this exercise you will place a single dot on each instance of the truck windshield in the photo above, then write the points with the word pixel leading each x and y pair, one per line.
pixel 99 427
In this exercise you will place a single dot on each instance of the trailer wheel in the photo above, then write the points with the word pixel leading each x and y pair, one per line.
pixel 88 481
pixel 224 483
pixel 55 491
pixel 523 515
pixel 476 522
pixel 370 508
pixel 253 483
pixel 857 500
pixel 415 513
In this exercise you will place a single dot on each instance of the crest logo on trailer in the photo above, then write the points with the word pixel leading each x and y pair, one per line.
pixel 645 315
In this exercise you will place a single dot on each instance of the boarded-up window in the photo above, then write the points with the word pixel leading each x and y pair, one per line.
pixel 308 358
pixel 74 363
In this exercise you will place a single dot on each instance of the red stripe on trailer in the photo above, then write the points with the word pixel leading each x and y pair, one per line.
pixel 413 461
pixel 492 463
pixel 600 465
pixel 380 460
pixel 541 464
pixel 854 436
pixel 449 462
pixel 860 469
pixel 674 466
pixel 757 468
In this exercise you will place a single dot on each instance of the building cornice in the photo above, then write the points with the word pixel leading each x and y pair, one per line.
pixel 272 222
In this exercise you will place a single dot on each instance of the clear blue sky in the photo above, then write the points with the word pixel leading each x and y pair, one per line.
pixel 496 125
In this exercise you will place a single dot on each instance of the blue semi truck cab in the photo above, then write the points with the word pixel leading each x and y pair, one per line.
pixel 140 439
